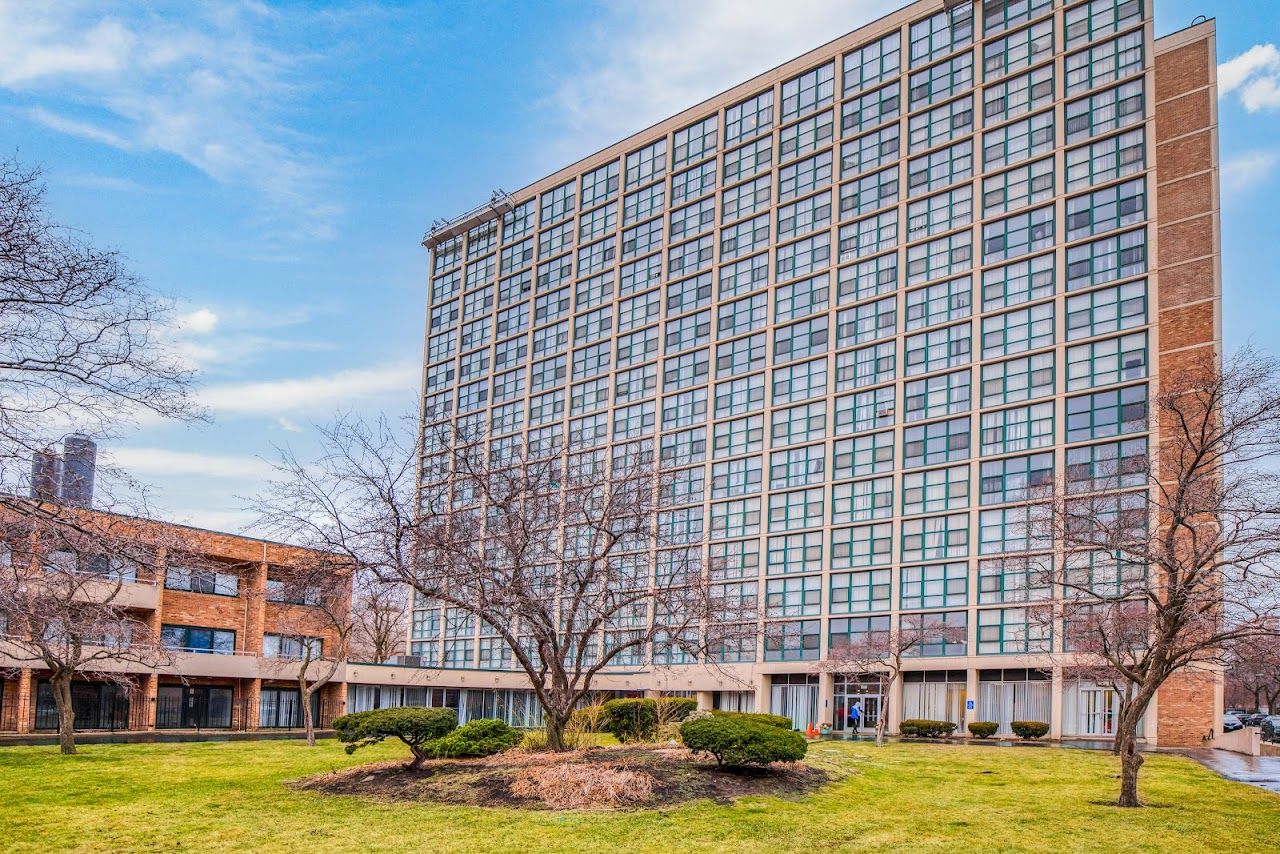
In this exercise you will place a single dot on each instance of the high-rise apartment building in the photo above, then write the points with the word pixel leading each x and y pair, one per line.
pixel 862 303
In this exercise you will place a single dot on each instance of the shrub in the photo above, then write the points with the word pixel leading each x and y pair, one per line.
pixel 414 726
pixel 673 709
pixel 482 737
pixel 738 742
pixel 1029 730
pixel 779 721
pixel 588 719
pixel 631 719
pixel 921 728
pixel 983 729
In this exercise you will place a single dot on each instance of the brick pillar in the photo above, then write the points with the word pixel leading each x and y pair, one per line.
pixel 251 692
pixel 149 697
pixel 26 699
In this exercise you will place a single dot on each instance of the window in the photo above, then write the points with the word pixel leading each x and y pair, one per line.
pixel 735 518
pixel 741 436
pixel 635 384
pixel 806 135
pixel 747 161
pixel 1107 413
pixel 600 184
pixel 866 366
pixel 692 220
pixel 800 382
pixel 735 560
pixel 935 537
pixel 748 118
pixel 797 466
pixel 872 109
pixel 683 371
pixel 593 291
pixel 799 424
pixel 861 545
pixel 1104 63
pixel 202 580
pixel 1017 96
pixel 939 442
pixel 804 216
pixel 1099 19
pixel 799 299
pixel 861 501
pixel 856 630
pixel 940 168
pixel 692 330
pixel 1019 578
pixel 1018 141
pixel 637 346
pixel 1107 467
pixel 744 276
pixel 1016 479
pixel 940 633
pixel 807 338
pixel 867 322
pixel 743 238
pixel 802 177
pixel 691 257
pixel 740 356
pixel 868 278
pixel 641 274
pixel 793 597
pixel 936 259
pixel 557 203
pixel 1017 331
pixel 288 646
pixel 745 199
pixel 941 124
pixel 740 396
pixel 795 553
pixel 872 63
pixel 942 33
pixel 942 394
pixel 859 592
pixel 681 410
pixel 1105 362
pixel 638 310
pixel 941 81
pixel 869 151
pixel 1017 51
pixel 736 477
pixel 943 212
pixel 1020 528
pixel 939 585
pixel 1101 261
pixel 808 92
pixel 1023 428
pixel 644 203
pixel 940 303
pixel 1107 310
pixel 1106 160
pixel 863 455
pixel 948 347
pixel 869 235
pixel 935 490
pixel 518 222
pixel 1018 187
pixel 1106 209
pixel 648 163
pixel 869 193
pixel 694 182
pixel 695 142
pixel 866 410
pixel 196 639
pixel 794 641
pixel 1012 630
pixel 1000 15
pixel 1105 111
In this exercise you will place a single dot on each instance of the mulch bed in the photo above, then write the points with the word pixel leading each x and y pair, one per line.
pixel 674 776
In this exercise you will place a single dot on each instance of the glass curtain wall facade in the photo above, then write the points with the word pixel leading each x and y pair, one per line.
pixel 865 308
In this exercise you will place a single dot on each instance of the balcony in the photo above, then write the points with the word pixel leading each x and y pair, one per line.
pixel 141 595
pixel 239 665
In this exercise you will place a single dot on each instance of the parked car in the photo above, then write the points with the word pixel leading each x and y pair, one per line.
pixel 1231 723
pixel 1240 713
pixel 1271 728
pixel 1255 719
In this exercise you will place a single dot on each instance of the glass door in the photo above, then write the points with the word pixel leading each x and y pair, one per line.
pixel 1097 711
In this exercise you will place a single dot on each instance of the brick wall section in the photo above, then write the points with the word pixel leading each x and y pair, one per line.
pixel 1188 286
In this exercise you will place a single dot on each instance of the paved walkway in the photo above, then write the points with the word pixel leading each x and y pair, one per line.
pixel 1260 771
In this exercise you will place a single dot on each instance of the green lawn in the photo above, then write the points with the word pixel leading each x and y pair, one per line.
pixel 902 797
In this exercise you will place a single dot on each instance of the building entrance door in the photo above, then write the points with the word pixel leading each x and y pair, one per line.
pixel 863 689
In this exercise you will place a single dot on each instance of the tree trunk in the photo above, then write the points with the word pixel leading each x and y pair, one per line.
pixel 308 724
pixel 61 684
pixel 555 726
pixel 1130 759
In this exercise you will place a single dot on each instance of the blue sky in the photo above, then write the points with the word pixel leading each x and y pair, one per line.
pixel 272 167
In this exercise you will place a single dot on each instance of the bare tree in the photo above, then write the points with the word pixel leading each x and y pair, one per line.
pixel 884 651
pixel 381 614
pixel 1253 674
pixel 1166 557
pixel 64 574
pixel 313 623
pixel 569 557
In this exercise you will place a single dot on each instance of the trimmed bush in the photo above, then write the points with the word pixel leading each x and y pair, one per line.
pixel 919 728
pixel 588 719
pixel 633 719
pixel 482 737
pixel 414 726
pixel 983 729
pixel 779 721
pixel 738 742
pixel 1029 730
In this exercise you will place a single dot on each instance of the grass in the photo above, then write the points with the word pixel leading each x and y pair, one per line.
pixel 905 797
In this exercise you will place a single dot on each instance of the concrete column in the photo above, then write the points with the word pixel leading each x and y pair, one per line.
pixel 762 693
pixel 826 699
pixel 26 699
pixel 970 693
pixel 895 700
pixel 706 701
pixel 1055 705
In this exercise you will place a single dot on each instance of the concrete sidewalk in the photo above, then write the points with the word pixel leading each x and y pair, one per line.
pixel 1260 771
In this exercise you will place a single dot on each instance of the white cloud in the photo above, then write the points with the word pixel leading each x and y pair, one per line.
pixel 316 395
pixel 651 59
pixel 201 321
pixel 145 463
pixel 197 82
pixel 1249 169
pixel 1255 76
pixel 288 426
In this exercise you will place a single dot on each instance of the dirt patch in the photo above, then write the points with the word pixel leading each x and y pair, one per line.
pixel 600 778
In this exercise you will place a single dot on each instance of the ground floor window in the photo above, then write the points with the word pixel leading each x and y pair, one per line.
pixel 795 696
pixel 193 707
pixel 734 701
pixel 935 695
pixel 97 705
pixel 1090 709
pixel 1014 694
pixel 516 707
pixel 281 708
